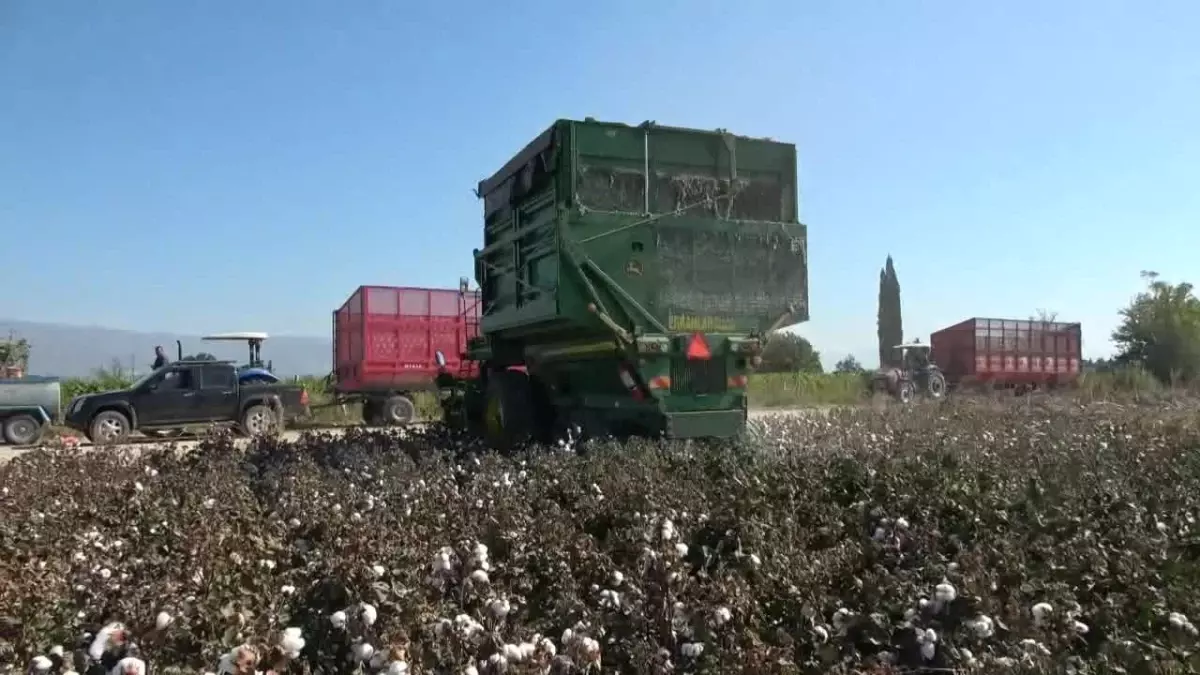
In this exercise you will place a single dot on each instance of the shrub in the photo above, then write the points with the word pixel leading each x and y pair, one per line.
pixel 1049 537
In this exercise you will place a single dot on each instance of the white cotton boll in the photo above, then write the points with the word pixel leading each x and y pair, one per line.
pixel 722 616
pixel 1161 527
pixel 945 593
pixel 692 650
pixel 41 664
pixel 470 670
pixel 755 560
pixel 546 646
pixel 499 608
pixel 901 524
pixel 397 668
pixel 368 613
pixel 79 557
pixel 617 578
pixel 840 617
pixel 130 666
pixel 681 550
pixel 479 577
pixel 105 573
pixel 982 626
pixel 72 672
pixel 821 634
pixel 363 651
pixel 512 653
pixel 1041 611
pixel 56 650
pixel 928 651
pixel 610 599
pixel 668 530
pixel 287 589
pixel 209 503
pixel 1080 627
pixel 292 643
pixel 163 620
pixel 338 619
pixel 378 570
pixel 498 663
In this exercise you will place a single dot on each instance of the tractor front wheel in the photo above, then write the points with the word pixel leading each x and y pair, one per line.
pixel 905 391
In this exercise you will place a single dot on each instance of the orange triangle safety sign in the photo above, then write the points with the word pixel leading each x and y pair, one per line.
pixel 697 348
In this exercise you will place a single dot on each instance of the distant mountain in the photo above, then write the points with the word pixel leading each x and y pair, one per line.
pixel 76 351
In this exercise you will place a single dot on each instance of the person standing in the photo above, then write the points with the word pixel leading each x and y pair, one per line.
pixel 160 358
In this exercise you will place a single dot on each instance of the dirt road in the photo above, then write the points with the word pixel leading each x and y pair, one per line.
pixel 7 453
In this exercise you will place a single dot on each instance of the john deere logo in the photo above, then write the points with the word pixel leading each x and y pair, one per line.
pixel 633 268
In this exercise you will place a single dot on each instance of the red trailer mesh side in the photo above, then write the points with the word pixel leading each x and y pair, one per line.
pixel 1008 350
pixel 386 338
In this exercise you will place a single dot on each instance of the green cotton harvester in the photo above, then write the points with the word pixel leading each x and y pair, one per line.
pixel 628 279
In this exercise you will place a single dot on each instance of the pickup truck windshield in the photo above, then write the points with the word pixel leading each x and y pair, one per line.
pixel 141 381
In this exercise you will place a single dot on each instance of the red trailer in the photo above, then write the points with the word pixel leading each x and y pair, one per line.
pixel 1008 352
pixel 385 340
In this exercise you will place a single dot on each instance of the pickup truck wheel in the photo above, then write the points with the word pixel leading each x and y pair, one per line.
pixel 109 427
pixel 22 430
pixel 398 410
pixel 259 420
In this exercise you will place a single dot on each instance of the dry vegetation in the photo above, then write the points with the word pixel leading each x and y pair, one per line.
pixel 972 537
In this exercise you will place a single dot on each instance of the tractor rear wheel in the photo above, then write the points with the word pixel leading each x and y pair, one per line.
pixel 937 385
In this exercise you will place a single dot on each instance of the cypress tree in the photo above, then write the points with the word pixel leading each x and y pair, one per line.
pixel 890 328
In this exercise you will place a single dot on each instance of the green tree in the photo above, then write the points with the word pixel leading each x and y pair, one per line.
pixel 14 352
pixel 1160 331
pixel 890 326
pixel 848 365
pixel 789 353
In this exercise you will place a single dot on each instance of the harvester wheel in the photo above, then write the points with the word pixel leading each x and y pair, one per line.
pixel 937 385
pixel 508 410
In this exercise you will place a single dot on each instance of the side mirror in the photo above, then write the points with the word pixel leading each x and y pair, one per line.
pixel 440 358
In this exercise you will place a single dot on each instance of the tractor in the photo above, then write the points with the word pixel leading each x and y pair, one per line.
pixel 917 374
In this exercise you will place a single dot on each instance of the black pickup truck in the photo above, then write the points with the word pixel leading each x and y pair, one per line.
pixel 186 393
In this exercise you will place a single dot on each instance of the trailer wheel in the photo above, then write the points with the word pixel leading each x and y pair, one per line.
pixel 398 410
pixel 508 410
pixel 22 430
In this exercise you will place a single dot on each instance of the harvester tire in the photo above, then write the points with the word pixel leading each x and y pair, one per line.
pixel 508 419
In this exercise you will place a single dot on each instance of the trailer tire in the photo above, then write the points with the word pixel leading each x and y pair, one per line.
pixel 398 410
pixel 22 430
pixel 508 410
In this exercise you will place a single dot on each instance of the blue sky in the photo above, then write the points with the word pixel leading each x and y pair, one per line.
pixel 1011 156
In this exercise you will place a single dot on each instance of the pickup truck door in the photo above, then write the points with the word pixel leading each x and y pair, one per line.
pixel 218 397
pixel 169 398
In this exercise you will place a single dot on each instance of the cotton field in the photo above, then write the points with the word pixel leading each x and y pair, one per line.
pixel 955 537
